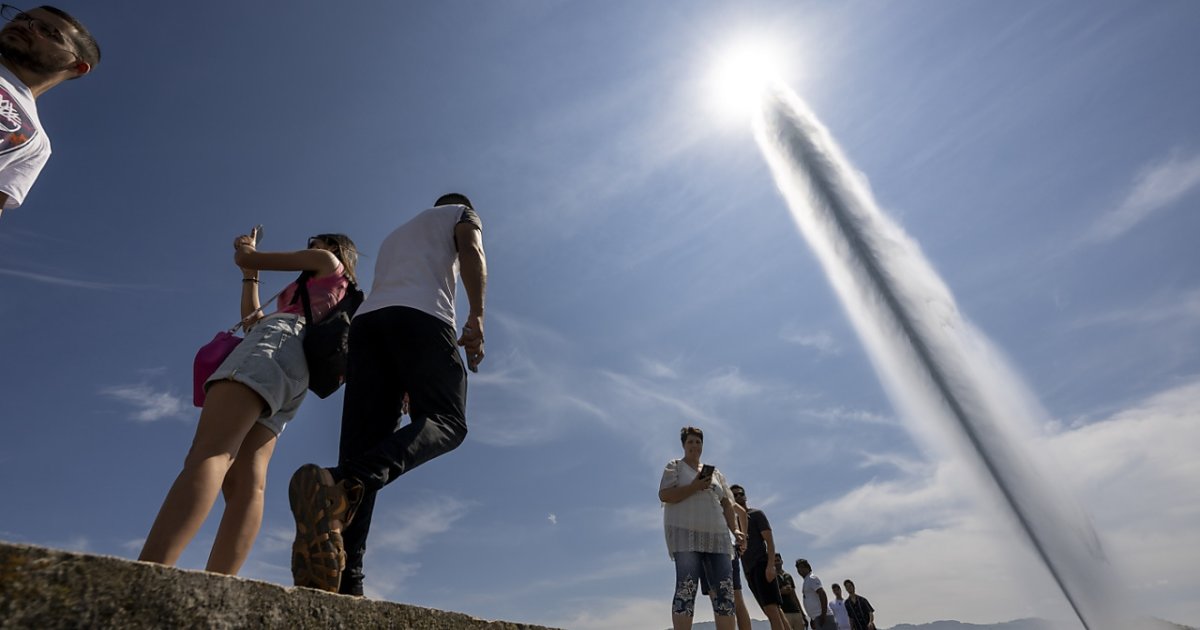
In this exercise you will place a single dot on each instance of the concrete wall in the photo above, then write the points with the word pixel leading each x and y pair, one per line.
pixel 48 589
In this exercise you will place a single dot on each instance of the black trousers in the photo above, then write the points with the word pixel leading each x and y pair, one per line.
pixel 393 351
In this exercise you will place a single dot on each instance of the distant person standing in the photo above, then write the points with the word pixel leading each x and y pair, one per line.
pixel 402 341
pixel 838 608
pixel 38 50
pixel 791 601
pixel 757 561
pixel 698 517
pixel 816 602
pixel 858 609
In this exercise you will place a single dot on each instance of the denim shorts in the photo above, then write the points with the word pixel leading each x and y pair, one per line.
pixel 270 361
pixel 715 569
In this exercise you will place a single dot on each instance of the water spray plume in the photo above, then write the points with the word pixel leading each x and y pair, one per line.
pixel 953 388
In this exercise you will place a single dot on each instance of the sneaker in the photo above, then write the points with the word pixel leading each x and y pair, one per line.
pixel 321 509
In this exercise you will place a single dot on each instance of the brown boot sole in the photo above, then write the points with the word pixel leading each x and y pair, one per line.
pixel 319 507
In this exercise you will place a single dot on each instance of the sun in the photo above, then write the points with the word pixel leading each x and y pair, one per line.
pixel 742 73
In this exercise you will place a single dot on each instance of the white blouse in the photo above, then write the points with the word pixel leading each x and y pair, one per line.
pixel 696 523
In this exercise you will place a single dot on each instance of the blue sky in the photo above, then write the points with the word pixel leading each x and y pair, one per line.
pixel 645 274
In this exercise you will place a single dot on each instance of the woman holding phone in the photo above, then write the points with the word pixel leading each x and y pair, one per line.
pixel 698 517
pixel 249 399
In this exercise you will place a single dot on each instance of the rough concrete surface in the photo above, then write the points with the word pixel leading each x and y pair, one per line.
pixel 48 589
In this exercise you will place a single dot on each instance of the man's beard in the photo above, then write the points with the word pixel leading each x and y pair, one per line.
pixel 27 60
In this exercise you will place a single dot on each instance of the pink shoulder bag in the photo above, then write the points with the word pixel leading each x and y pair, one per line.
pixel 213 354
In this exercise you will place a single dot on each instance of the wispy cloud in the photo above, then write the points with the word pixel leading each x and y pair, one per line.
pixel 641 517
pixel 821 341
pixel 1156 187
pixel 1177 307
pixel 553 518
pixel 404 533
pixel 389 578
pixel 538 390
pixel 149 404
pixel 532 390
pixel 275 539
pixel 64 282
pixel 659 369
pixel 407 531
pixel 907 465
pixel 729 383
pixel 765 501
pixel 841 415
pixel 879 510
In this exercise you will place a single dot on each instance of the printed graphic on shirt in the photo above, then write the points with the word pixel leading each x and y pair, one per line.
pixel 16 129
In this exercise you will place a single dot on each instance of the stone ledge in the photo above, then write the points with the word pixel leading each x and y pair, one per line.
pixel 50 589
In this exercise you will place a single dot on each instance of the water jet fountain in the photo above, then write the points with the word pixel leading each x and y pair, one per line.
pixel 943 375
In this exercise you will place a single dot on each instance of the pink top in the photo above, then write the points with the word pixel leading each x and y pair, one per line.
pixel 324 293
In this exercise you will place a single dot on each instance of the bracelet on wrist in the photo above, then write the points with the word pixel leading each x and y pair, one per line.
pixel 254 280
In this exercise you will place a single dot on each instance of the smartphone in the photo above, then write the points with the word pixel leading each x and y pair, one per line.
pixel 257 234
pixel 706 471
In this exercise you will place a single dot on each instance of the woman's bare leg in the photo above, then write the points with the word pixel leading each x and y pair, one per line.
pixel 243 489
pixel 230 410
pixel 743 615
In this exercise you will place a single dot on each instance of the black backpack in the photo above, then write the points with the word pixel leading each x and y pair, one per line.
pixel 327 342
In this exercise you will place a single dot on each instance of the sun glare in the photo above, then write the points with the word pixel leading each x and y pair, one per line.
pixel 741 75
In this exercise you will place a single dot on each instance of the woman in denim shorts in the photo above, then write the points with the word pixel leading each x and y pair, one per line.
pixel 249 398
pixel 698 517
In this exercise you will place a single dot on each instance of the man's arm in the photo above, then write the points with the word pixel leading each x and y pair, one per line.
pixel 770 540
pixel 732 522
pixel 743 525
pixel 3 201
pixel 824 605
pixel 472 266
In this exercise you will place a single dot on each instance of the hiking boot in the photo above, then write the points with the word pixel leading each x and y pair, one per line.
pixel 321 508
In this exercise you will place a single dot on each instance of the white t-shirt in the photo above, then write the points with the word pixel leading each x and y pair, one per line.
pixel 812 601
pixel 696 523
pixel 418 264
pixel 838 608
pixel 24 147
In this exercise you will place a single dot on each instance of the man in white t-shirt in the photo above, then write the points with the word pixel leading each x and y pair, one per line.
pixel 816 602
pixel 38 50
pixel 402 341
pixel 838 608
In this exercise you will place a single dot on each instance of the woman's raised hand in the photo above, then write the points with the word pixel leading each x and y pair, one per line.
pixel 245 240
